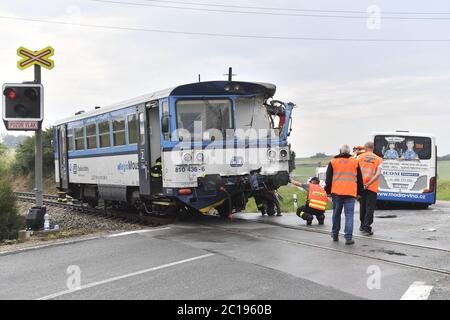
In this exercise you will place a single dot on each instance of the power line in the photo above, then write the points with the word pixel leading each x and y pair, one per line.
pixel 222 35
pixel 293 9
pixel 268 13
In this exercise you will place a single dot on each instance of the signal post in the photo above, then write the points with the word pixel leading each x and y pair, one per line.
pixel 23 109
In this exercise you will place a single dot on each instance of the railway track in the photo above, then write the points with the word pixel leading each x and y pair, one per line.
pixel 348 251
pixel 51 200
pixel 371 238
pixel 128 216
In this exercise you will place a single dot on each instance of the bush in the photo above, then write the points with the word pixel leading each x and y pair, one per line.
pixel 2 160
pixel 10 221
pixel 24 163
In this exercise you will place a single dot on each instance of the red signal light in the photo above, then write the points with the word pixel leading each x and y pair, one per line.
pixel 11 94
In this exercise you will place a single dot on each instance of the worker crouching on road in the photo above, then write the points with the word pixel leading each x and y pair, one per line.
pixel 344 183
pixel 370 165
pixel 316 202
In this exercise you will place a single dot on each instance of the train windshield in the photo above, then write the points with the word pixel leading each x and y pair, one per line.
pixel 251 113
pixel 403 147
pixel 209 119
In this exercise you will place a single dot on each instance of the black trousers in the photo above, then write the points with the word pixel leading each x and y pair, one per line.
pixel 368 203
pixel 307 213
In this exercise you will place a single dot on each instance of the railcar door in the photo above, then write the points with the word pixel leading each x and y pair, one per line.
pixel 63 162
pixel 144 152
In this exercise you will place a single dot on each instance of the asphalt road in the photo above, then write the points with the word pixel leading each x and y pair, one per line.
pixel 249 257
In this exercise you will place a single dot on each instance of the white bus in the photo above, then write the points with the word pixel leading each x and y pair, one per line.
pixel 409 167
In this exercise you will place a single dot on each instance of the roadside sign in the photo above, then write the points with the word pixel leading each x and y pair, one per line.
pixel 40 58
pixel 23 125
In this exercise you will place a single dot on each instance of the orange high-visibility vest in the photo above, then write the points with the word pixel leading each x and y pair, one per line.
pixel 345 173
pixel 369 163
pixel 317 197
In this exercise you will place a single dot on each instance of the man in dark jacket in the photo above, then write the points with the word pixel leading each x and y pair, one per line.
pixel 344 182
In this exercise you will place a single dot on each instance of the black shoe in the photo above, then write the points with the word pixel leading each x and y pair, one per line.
pixel 279 215
pixel 361 229
pixel 335 237
pixel 308 222
pixel 367 233
pixel 321 221
pixel 349 241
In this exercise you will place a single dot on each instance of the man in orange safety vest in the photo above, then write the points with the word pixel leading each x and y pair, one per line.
pixel 344 183
pixel 370 165
pixel 316 202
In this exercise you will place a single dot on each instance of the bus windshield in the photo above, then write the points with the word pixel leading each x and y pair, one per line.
pixel 393 147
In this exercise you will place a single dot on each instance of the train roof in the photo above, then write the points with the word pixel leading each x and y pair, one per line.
pixel 208 88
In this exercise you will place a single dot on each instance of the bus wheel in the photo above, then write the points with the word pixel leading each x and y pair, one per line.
pixel 381 205
pixel 422 206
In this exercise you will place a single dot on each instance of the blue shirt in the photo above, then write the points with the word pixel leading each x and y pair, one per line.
pixel 409 155
pixel 391 154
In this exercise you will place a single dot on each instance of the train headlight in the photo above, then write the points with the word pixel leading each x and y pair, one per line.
pixel 271 154
pixel 200 157
pixel 187 157
pixel 283 153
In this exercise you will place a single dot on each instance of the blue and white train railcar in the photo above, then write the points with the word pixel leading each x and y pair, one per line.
pixel 219 143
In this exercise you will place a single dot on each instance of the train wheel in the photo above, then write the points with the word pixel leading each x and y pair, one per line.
pixel 92 203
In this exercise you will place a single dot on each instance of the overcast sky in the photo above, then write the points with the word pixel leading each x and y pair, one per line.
pixel 344 90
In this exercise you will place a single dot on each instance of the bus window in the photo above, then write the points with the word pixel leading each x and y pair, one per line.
pixel 79 138
pixel 103 134
pixel 403 147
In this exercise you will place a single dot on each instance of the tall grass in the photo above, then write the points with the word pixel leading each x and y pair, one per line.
pixel 443 190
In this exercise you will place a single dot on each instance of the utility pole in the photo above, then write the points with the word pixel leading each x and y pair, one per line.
pixel 38 150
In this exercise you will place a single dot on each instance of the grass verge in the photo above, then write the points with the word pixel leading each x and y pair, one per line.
pixel 443 190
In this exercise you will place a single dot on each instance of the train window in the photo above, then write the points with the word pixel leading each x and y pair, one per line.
pixel 212 116
pixel 70 139
pixel 142 128
pixel 103 134
pixel 118 131
pixel 91 136
pixel 252 114
pixel 132 128
pixel 79 138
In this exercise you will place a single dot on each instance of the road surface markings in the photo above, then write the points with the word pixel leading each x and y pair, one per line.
pixel 136 232
pixel 76 240
pixel 129 275
pixel 417 291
